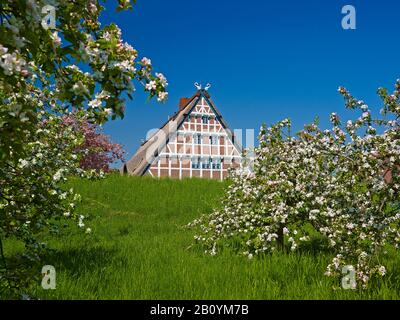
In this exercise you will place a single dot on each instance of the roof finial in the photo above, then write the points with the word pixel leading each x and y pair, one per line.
pixel 197 85
pixel 208 86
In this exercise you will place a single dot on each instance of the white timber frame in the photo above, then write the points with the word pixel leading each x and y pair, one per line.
pixel 183 151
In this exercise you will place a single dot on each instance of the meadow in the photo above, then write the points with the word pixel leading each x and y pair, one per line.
pixel 139 249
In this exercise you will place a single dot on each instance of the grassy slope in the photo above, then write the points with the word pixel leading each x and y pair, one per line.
pixel 139 250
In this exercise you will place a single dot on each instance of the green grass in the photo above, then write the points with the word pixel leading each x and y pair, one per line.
pixel 139 250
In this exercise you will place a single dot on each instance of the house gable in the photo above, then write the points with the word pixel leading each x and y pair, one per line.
pixel 195 142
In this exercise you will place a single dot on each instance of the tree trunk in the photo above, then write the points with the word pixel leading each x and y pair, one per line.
pixel 280 239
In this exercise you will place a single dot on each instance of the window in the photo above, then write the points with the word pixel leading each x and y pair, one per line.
pixel 206 163
pixel 205 119
pixel 197 138
pixel 195 163
pixel 216 164
pixel 213 140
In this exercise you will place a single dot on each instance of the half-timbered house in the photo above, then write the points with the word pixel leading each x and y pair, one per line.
pixel 195 142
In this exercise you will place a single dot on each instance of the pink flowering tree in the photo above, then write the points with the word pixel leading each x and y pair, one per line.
pixel 97 151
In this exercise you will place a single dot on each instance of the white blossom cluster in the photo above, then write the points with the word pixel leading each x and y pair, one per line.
pixel 342 183
pixel 11 63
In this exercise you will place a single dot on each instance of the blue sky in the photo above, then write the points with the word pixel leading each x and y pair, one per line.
pixel 266 60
